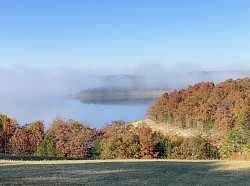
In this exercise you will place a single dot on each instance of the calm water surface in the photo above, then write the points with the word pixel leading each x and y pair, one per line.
pixel 26 110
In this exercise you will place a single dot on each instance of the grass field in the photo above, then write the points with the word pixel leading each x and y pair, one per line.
pixel 124 172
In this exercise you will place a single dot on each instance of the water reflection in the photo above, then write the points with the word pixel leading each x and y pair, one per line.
pixel 145 101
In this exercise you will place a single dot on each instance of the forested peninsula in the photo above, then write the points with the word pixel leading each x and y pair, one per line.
pixel 203 121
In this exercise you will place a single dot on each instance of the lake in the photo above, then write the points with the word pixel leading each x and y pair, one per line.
pixel 27 110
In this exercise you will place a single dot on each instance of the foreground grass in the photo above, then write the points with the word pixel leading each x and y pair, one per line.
pixel 124 172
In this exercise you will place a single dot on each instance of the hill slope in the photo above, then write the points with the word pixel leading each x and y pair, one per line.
pixel 221 111
pixel 166 128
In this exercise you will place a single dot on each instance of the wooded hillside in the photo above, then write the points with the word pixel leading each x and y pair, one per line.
pixel 221 111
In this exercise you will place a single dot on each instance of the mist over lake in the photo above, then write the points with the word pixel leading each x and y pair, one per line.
pixel 30 94
pixel 26 111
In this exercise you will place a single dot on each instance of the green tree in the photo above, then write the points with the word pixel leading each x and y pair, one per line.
pixel 236 141
pixel 200 148
pixel 48 146
pixel 109 148
pixel 162 145
pixel 97 149
pixel 128 145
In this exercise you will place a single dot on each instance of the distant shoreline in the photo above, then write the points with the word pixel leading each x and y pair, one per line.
pixel 117 95
pixel 126 97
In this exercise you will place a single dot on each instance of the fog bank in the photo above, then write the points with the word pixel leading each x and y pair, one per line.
pixel 30 93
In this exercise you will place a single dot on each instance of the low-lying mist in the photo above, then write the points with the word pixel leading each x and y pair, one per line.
pixel 29 93
pixel 59 82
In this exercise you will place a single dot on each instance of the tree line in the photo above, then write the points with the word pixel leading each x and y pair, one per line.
pixel 70 138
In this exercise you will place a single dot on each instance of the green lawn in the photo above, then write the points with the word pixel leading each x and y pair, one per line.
pixel 130 172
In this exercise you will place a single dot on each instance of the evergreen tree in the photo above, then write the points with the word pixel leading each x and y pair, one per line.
pixel 48 146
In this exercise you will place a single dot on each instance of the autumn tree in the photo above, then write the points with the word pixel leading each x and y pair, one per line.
pixel 58 129
pixel 147 144
pixel 19 142
pixel 36 136
pixel 7 129
pixel 119 140
pixel 27 139
pixel 80 139
pixel 72 138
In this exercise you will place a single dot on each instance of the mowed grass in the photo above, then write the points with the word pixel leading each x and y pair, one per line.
pixel 124 172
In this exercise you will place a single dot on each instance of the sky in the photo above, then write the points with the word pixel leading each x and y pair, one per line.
pixel 50 49
pixel 123 34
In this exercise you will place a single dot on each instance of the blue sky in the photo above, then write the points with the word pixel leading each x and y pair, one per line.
pixel 103 34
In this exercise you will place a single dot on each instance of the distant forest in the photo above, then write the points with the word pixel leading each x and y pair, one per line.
pixel 220 113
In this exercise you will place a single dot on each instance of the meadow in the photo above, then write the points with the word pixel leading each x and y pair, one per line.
pixel 124 172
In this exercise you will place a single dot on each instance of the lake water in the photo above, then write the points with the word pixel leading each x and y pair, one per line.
pixel 27 110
